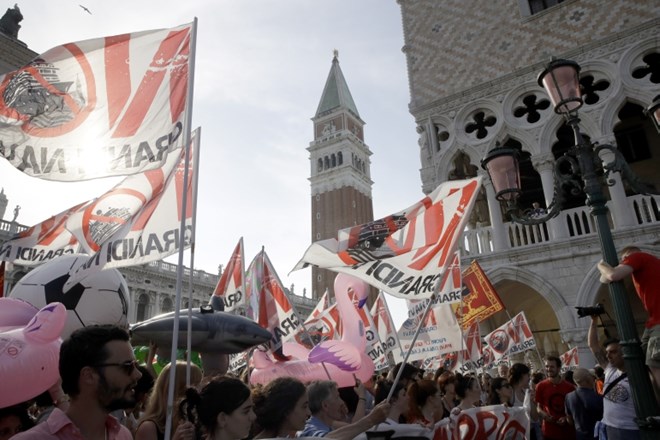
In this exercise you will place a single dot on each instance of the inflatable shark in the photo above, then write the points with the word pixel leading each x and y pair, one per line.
pixel 212 331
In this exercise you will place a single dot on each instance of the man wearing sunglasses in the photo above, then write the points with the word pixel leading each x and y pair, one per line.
pixel 99 373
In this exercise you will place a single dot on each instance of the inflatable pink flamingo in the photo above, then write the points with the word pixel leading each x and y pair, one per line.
pixel 346 353
pixel 266 368
pixel 344 359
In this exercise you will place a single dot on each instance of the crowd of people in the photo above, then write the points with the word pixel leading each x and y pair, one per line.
pixel 104 394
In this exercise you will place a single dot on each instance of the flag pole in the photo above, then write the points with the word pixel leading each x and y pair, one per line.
pixel 196 143
pixel 389 316
pixel 295 311
pixel 412 343
pixel 182 227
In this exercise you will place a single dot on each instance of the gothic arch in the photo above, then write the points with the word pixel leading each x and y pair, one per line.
pixel 446 164
pixel 610 115
pixel 525 137
pixel 547 136
pixel 563 311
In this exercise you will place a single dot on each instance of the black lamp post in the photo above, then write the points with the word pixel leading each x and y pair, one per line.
pixel 581 167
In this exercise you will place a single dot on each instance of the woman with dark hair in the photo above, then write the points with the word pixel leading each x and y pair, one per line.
pixel 282 407
pixel 399 400
pixel 519 378
pixel 221 410
pixel 468 392
pixel 447 387
pixel 500 392
pixel 423 402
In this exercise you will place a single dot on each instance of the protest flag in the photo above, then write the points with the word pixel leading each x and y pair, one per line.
pixel 273 308
pixel 482 301
pixel 102 107
pixel 570 360
pixel 512 337
pixel 406 253
pixel 231 285
pixel 150 234
pixel 42 242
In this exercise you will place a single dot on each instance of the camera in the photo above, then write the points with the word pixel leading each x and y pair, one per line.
pixel 596 310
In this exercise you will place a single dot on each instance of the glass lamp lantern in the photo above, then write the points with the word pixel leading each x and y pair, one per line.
pixel 561 81
pixel 501 163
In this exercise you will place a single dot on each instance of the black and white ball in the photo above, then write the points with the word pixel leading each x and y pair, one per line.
pixel 101 298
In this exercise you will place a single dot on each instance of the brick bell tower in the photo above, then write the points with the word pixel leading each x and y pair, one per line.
pixel 340 169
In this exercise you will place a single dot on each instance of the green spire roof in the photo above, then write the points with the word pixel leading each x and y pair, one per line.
pixel 335 92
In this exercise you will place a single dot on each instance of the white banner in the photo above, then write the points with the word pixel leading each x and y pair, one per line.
pixel 102 107
pixel 153 233
pixel 494 422
pixel 513 337
pixel 440 333
pixel 404 254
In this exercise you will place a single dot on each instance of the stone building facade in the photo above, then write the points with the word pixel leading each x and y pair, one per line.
pixel 472 68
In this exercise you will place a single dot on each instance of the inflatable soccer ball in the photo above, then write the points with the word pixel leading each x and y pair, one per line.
pixel 101 298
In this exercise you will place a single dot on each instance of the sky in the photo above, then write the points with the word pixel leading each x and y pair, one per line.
pixel 260 70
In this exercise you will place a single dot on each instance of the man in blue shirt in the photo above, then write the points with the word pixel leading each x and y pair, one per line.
pixel 584 407
pixel 328 408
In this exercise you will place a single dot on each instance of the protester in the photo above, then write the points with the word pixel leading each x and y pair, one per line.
pixel 485 380
pixel 447 387
pixel 521 387
pixel 99 372
pixel 503 370
pixel 424 400
pixel 618 408
pixel 645 271
pixel 281 407
pixel 410 374
pixel 500 392
pixel 152 424
pixel 14 419
pixel 468 392
pixel 584 407
pixel 599 372
pixel 398 401
pixel 550 396
pixel 221 410
pixel 568 377
pixel 326 407
pixel 142 390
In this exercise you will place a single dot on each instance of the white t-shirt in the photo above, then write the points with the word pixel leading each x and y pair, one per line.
pixel 618 405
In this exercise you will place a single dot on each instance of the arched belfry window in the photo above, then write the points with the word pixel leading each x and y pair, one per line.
pixel 319 167
pixel 326 163
pixel 340 158
pixel 333 160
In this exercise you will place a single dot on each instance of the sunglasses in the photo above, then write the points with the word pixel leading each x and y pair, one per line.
pixel 127 367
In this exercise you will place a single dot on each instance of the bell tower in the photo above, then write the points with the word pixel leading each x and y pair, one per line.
pixel 340 168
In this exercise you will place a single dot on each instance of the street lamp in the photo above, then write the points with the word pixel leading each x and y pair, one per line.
pixel 582 167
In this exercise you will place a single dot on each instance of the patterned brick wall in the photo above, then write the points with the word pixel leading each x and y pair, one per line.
pixel 453 45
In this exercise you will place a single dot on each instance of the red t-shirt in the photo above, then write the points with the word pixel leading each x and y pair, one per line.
pixel 551 398
pixel 646 278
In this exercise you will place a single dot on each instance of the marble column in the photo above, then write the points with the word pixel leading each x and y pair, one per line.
pixel 500 241
pixel 619 208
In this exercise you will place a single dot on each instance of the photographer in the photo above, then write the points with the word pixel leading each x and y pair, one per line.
pixel 645 271
pixel 618 407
